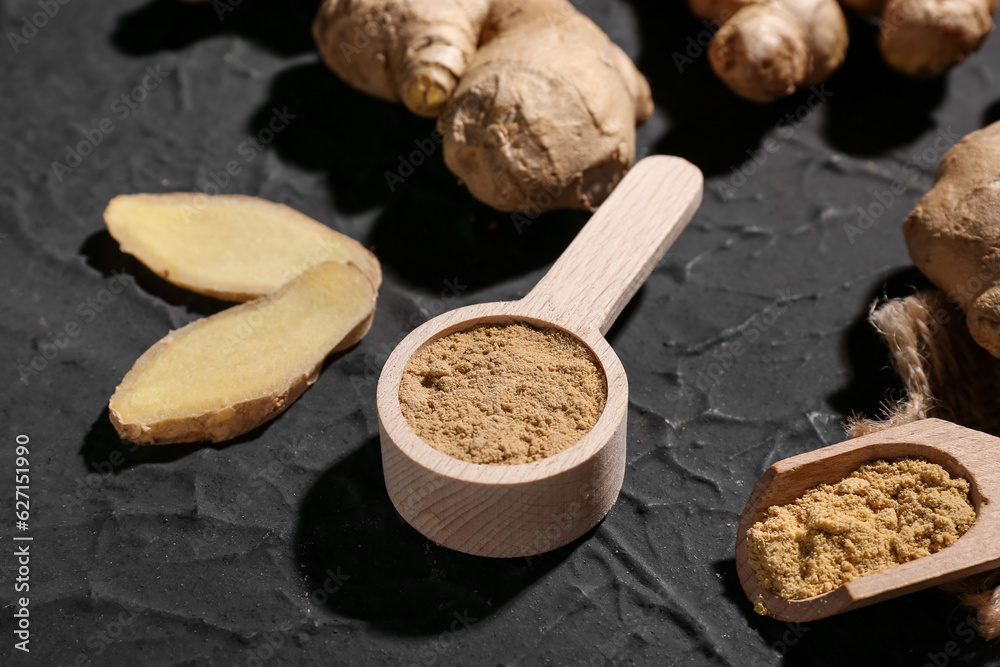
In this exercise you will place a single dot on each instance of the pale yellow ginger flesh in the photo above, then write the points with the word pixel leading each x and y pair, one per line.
pixel 884 514
pixel 766 50
pixel 536 107
pixel 230 246
pixel 222 376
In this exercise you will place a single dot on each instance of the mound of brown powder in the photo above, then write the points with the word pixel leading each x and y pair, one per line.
pixel 884 514
pixel 503 393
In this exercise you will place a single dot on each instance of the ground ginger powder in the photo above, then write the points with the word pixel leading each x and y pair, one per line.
pixel 503 393
pixel 884 514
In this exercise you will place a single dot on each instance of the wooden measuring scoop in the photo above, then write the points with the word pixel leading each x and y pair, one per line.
pixel 962 452
pixel 526 509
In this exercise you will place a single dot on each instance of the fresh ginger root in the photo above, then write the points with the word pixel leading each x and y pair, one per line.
pixel 231 247
pixel 536 106
pixel 928 37
pixel 953 234
pixel 408 51
pixel 766 49
pixel 222 376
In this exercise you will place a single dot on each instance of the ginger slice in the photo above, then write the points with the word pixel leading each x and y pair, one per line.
pixel 231 247
pixel 224 375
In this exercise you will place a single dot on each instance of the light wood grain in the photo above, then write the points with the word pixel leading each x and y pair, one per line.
pixel 611 257
pixel 522 510
pixel 961 451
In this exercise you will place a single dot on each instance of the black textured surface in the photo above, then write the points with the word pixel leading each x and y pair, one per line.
pixel 219 555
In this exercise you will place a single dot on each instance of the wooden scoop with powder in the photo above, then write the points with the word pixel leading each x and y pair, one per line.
pixel 870 519
pixel 531 384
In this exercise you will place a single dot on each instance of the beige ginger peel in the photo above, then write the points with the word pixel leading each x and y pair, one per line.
pixel 953 234
pixel 767 49
pixel 928 37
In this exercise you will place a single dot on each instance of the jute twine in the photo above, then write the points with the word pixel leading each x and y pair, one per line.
pixel 947 376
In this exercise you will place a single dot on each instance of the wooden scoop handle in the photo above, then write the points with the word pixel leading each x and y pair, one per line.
pixel 615 252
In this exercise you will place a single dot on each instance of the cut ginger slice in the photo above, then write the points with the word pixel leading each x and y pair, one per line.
pixel 224 375
pixel 229 246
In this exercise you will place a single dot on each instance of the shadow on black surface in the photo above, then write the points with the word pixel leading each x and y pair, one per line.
pixel 914 629
pixel 621 322
pixel 352 138
pixel 763 625
pixel 874 384
pixel 378 154
pixel 429 236
pixel 104 452
pixel 709 125
pixel 874 108
pixel 173 25
pixel 910 630
pixel 374 566
pixel 102 253
pixel 992 114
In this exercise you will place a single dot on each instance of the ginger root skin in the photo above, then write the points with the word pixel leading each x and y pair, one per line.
pixel 536 106
pixel 953 234
pixel 545 116
pixel 408 51
pixel 766 50
pixel 925 38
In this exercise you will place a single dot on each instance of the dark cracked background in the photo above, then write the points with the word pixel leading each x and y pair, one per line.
pixel 282 548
